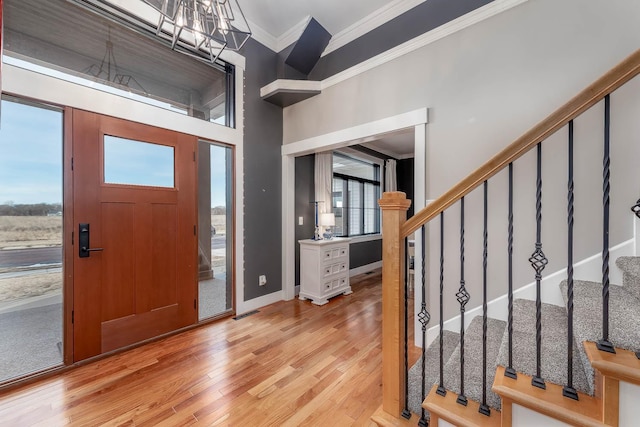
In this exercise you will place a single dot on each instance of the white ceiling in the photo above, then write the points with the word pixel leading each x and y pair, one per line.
pixel 398 144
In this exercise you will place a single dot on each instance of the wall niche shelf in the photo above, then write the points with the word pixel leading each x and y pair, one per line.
pixel 285 92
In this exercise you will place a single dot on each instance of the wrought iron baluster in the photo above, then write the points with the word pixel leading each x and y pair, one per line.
pixel 636 208
pixel 538 261
pixel 568 390
pixel 424 318
pixel 463 297
pixel 405 412
pixel 484 408
pixel 509 371
pixel 441 390
pixel 604 344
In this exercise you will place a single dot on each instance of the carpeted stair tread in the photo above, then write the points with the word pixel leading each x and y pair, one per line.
pixel 432 368
pixel 624 317
pixel 554 345
pixel 473 361
pixel 630 266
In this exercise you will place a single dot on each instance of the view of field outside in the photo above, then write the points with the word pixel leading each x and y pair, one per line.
pixel 31 256
pixel 218 242
pixel 30 202
pixel 218 189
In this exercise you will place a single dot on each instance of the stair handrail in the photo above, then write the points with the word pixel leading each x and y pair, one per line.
pixel 609 82
pixel 396 227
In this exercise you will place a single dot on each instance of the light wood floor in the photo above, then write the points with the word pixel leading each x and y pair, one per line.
pixel 291 364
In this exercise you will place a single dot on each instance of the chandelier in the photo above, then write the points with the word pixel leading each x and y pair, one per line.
pixel 202 25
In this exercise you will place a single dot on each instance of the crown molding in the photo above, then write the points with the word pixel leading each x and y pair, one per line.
pixel 261 35
pixel 370 22
pixel 292 34
pixel 278 44
pixel 485 12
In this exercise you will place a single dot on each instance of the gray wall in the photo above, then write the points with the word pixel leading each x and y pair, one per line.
pixel 365 253
pixel 262 176
pixel 484 87
pixel 304 195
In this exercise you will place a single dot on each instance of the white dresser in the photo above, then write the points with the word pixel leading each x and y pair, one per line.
pixel 324 269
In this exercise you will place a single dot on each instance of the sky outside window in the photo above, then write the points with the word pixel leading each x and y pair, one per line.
pixel 30 154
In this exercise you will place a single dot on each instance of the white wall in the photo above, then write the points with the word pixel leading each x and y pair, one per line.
pixel 485 86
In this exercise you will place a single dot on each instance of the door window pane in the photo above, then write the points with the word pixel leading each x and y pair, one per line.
pixel 137 163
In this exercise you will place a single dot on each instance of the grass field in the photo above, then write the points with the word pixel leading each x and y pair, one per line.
pixel 29 286
pixel 30 231
pixel 220 223
pixel 47 230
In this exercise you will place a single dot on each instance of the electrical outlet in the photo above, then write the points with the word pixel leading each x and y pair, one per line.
pixel 262 280
pixel 300 220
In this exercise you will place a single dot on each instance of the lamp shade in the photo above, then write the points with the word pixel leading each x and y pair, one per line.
pixel 327 219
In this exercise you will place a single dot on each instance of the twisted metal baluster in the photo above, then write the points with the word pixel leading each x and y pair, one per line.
pixel 604 344
pixel 441 390
pixel 636 208
pixel 509 371
pixel 538 261
pixel 484 408
pixel 424 318
pixel 568 390
pixel 405 412
pixel 463 297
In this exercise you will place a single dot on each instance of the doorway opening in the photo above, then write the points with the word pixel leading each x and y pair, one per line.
pixel 31 230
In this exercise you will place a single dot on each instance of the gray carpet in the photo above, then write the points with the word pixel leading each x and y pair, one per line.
pixel 29 340
pixel 432 367
pixel 554 345
pixel 624 318
pixel 630 267
pixel 473 361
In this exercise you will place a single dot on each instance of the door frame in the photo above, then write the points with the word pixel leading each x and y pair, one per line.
pixel 24 83
pixel 416 119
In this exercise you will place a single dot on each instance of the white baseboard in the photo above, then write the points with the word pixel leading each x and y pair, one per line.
pixel 256 303
pixel 365 268
pixel 587 269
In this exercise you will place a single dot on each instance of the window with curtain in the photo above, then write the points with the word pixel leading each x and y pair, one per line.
pixel 356 190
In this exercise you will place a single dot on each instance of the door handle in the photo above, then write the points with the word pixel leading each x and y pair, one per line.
pixel 85 248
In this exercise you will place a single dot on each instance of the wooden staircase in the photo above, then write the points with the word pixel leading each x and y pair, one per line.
pixel 518 396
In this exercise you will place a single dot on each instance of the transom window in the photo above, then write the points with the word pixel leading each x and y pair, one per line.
pixel 356 190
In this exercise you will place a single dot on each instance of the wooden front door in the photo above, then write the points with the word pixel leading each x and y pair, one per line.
pixel 135 197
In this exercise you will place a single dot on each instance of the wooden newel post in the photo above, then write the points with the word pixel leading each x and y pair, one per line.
pixel 394 207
